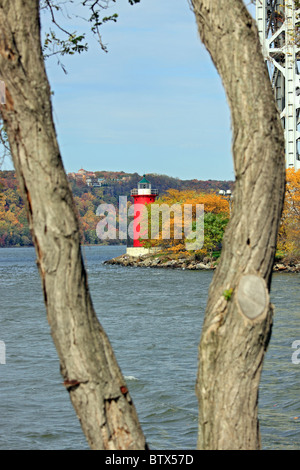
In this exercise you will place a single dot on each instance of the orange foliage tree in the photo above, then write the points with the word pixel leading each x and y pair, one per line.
pixel 289 234
pixel 14 230
pixel 213 205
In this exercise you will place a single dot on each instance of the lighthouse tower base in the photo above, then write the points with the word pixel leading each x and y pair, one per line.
pixel 137 251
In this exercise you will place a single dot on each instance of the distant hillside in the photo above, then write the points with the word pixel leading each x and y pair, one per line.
pixel 90 189
pixel 121 183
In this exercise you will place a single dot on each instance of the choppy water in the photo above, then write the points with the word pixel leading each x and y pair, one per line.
pixel 153 318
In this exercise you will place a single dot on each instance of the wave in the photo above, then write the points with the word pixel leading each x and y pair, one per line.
pixel 130 377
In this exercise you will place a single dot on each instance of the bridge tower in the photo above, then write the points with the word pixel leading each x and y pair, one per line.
pixel 278 22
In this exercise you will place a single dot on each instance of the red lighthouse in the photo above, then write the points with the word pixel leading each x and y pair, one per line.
pixel 143 195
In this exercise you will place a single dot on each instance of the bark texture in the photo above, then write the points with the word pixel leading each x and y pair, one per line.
pixel 238 319
pixel 91 374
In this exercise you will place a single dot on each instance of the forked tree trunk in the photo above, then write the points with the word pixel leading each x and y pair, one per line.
pixel 238 317
pixel 89 368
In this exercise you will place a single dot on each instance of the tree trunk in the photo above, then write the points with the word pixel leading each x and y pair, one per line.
pixel 91 375
pixel 238 319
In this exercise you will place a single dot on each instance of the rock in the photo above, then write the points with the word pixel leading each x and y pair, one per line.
pixel 202 266
pixel 187 262
pixel 191 266
pixel 280 267
pixel 168 264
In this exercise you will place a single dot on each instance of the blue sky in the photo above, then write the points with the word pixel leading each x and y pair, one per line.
pixel 153 104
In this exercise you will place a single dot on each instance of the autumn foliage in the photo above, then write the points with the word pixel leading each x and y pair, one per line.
pixel 216 216
pixel 13 220
pixel 289 234
pixel 14 230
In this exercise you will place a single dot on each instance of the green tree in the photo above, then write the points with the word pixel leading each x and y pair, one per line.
pixel 214 228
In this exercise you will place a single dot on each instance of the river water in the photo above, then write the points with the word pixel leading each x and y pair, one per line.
pixel 153 318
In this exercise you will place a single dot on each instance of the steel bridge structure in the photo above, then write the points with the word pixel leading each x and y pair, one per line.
pixel 278 23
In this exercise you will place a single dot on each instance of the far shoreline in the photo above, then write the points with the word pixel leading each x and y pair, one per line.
pixel 184 263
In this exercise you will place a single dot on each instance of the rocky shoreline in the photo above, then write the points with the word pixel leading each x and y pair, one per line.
pixel 188 262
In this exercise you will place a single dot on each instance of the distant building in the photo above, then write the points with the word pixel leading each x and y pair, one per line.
pixel 89 177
